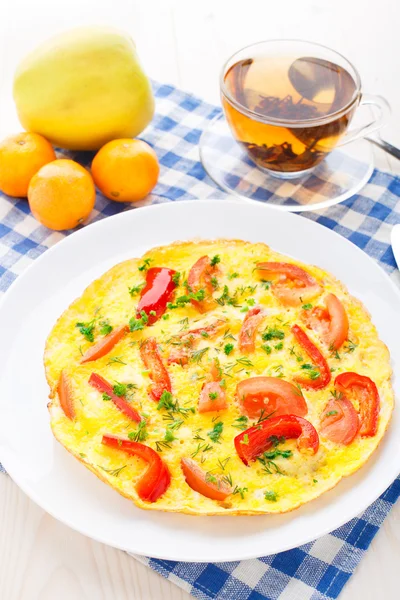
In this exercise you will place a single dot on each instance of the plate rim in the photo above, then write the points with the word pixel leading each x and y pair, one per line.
pixel 302 539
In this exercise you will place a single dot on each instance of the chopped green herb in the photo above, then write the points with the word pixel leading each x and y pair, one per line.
pixel 244 309
pixel 215 260
pixel 197 355
pixel 228 349
pixel 82 455
pixel 141 433
pixel 273 334
pixel 227 299
pixel 138 324
pixel 331 413
pixel 306 306
pixel 213 395
pixel 271 496
pixel 241 422
pixel 87 330
pixel 116 359
pixel 176 277
pixel 315 480
pixel 201 448
pixel 250 301
pixel 269 466
pixel 165 317
pixel 105 328
pixel 245 439
pixel 114 472
pixel 106 397
pixel 214 282
pixel 145 265
pixel 216 432
pixel 350 346
pixel 185 299
pixel 166 401
pixel 266 348
pixel 120 389
pixel 266 284
pixel 232 275
pixel 314 374
pixel 135 289
pixel 240 490
pixel 279 346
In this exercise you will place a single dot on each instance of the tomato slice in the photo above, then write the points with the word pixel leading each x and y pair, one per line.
pixel 188 340
pixel 156 293
pixel 364 391
pixel 257 439
pixel 158 373
pixel 103 386
pixel 331 322
pixel 317 358
pixel 266 395
pixel 208 485
pixel 292 284
pixel 339 421
pixel 65 396
pixel 212 397
pixel 156 479
pixel 247 336
pixel 104 346
pixel 199 278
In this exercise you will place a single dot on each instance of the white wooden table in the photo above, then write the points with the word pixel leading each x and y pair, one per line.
pixel 183 42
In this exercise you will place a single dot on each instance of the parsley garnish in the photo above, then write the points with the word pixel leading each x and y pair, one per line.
pixel 105 328
pixel 245 439
pixel 271 496
pixel 120 389
pixel 183 300
pixel 176 277
pixel 228 349
pixel 241 422
pixel 306 306
pixel 226 298
pixel 331 413
pixel 138 324
pixel 140 434
pixel 279 346
pixel 106 397
pixel 216 432
pixel 167 402
pixel 135 289
pixel 213 395
pixel 233 275
pixel 215 260
pixel 87 329
pixel 273 334
pixel 145 265
pixel 266 348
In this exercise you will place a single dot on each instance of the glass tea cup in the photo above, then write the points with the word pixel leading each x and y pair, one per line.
pixel 289 103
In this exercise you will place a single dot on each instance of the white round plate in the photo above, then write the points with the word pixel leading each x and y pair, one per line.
pixel 65 488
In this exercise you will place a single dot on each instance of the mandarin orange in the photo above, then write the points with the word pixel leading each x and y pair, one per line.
pixel 61 195
pixel 125 170
pixel 21 157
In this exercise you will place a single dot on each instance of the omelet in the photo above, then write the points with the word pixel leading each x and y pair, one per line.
pixel 218 378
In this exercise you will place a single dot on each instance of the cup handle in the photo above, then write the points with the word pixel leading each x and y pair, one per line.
pixel 376 123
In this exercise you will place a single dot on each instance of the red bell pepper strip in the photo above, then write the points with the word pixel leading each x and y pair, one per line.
pixel 158 373
pixel 364 391
pixel 250 325
pixel 65 396
pixel 200 278
pixel 156 479
pixel 103 386
pixel 156 293
pixel 208 485
pixel 317 358
pixel 105 345
pixel 257 439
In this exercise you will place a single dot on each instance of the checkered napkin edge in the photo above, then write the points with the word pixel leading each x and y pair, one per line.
pixel 318 570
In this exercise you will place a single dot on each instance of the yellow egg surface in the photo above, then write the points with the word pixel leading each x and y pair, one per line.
pixel 279 484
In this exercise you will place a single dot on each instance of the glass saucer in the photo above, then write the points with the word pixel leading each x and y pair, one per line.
pixel 341 175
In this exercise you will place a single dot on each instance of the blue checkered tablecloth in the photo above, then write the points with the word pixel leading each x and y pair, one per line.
pixel 317 570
